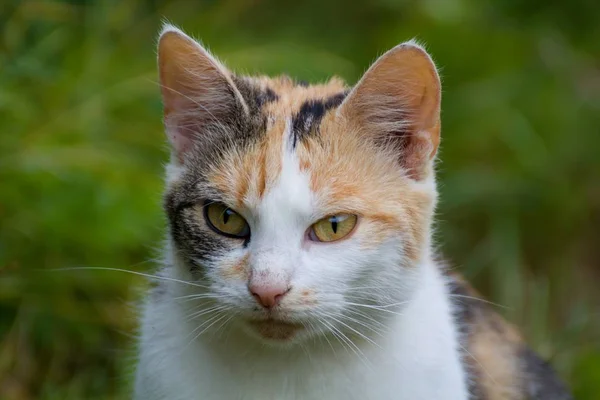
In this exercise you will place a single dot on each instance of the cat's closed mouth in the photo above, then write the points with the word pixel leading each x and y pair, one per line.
pixel 275 329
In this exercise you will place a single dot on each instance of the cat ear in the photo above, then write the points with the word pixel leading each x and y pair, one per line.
pixel 199 95
pixel 398 101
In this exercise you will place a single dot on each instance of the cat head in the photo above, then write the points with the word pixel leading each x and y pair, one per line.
pixel 299 210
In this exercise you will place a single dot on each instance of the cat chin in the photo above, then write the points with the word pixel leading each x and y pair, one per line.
pixel 275 333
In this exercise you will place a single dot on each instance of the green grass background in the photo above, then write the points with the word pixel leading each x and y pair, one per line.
pixel 82 151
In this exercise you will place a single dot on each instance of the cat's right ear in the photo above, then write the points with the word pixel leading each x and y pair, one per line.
pixel 199 95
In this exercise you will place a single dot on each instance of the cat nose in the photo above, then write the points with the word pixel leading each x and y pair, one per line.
pixel 267 295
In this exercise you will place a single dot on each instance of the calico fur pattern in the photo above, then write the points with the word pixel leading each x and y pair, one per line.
pixel 380 317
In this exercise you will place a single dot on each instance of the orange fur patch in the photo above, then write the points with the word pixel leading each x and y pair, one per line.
pixel 349 174
pixel 239 270
pixel 307 297
pixel 493 352
pixel 244 178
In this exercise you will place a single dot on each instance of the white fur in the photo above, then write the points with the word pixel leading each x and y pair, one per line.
pixel 410 351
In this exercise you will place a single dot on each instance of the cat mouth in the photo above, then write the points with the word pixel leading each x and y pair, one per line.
pixel 275 329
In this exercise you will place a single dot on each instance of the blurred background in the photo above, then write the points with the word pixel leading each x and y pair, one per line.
pixel 82 152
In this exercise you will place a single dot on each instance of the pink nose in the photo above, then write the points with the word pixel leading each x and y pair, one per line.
pixel 268 295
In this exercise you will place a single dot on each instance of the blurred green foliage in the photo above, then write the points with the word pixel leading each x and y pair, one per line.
pixel 82 150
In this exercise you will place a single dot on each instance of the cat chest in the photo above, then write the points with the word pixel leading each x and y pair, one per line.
pixel 327 380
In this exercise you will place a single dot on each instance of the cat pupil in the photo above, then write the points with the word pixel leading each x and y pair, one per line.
pixel 226 215
pixel 334 224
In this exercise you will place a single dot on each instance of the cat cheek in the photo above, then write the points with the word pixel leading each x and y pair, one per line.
pixel 375 234
pixel 238 270
pixel 308 299
pixel 301 298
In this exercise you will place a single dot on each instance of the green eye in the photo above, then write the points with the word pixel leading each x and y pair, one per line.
pixel 332 228
pixel 225 221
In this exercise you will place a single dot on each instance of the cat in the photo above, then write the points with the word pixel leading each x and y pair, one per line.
pixel 299 261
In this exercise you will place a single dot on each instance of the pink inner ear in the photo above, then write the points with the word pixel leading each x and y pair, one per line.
pixel 418 153
pixel 398 102
pixel 180 142
pixel 196 89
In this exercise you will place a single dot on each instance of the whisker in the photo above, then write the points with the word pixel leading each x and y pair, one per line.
pixel 355 331
pixel 481 365
pixel 351 319
pixel 366 287
pixel 218 315
pixel 323 336
pixel 360 296
pixel 366 316
pixel 339 338
pixel 351 345
pixel 223 315
pixel 195 296
pixel 378 308
pixel 197 314
pixel 329 343
pixel 305 350
pixel 371 301
pixel 222 326
pixel 163 278
pixel 482 300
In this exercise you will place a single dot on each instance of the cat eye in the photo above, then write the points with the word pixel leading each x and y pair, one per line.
pixel 225 221
pixel 332 228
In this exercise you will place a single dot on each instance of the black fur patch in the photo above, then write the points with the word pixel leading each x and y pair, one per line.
pixel 193 243
pixel 541 382
pixel 464 306
pixel 465 309
pixel 302 83
pixel 254 96
pixel 309 116
pixel 267 96
pixel 335 100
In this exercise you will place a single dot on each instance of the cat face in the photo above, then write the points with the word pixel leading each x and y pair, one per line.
pixel 299 210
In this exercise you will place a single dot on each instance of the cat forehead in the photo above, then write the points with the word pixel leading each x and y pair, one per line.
pixel 299 139
pixel 308 157
pixel 290 113
pixel 283 97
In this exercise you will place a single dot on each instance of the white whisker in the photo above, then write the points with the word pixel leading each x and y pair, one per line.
pixel 481 365
pixel 211 321
pixel 478 299
pixel 355 331
pixel 222 325
pixel 162 278
pixel 343 337
pixel 197 314
pixel 366 316
pixel 364 324
pixel 197 296
pixel 378 308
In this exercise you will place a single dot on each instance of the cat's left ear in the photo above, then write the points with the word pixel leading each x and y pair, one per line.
pixel 398 102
